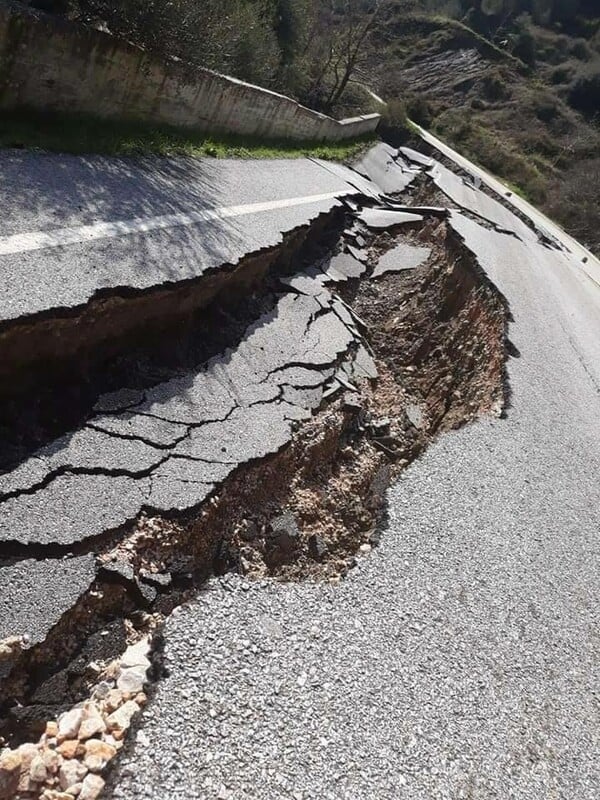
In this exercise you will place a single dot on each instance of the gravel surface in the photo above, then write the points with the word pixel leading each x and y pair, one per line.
pixel 461 658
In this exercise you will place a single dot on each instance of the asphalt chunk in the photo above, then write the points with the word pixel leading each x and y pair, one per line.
pixel 72 508
pixel 59 581
pixel 403 256
pixel 381 219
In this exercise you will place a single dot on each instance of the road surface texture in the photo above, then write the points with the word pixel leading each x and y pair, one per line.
pixel 75 226
pixel 460 659
pixel 79 225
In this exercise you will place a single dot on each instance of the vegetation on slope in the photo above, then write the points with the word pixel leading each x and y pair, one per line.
pixel 513 84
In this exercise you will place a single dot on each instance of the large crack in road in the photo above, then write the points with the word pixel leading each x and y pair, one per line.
pixel 365 334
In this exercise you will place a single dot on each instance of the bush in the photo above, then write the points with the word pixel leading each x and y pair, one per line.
pixel 584 94
pixel 495 87
pixel 561 75
pixel 420 110
pixel 394 127
pixel 581 51
pixel 546 109
pixel 395 114
pixel 525 48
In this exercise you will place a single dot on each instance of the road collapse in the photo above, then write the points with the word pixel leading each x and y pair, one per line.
pixel 260 436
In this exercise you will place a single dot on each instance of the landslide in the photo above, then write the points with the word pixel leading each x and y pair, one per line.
pixel 438 338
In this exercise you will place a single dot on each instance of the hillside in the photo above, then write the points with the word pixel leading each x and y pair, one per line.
pixel 523 102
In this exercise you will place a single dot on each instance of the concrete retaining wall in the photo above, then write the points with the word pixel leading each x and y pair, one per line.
pixel 48 64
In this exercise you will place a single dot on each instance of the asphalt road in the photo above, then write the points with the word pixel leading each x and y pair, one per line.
pixel 166 448
pixel 585 259
pixel 461 658
pixel 72 226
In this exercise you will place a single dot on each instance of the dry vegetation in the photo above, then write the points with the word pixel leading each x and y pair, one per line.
pixel 519 95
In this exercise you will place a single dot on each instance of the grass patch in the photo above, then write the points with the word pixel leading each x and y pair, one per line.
pixel 62 133
pixel 495 151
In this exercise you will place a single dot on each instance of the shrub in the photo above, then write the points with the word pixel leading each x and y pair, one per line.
pixel 495 87
pixel 584 94
pixel 560 75
pixel 394 127
pixel 420 110
pixel 546 109
pixel 395 114
pixel 525 48
pixel 580 50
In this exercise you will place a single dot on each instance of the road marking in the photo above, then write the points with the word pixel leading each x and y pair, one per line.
pixel 41 240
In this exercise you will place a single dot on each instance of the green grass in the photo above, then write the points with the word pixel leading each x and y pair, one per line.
pixel 84 135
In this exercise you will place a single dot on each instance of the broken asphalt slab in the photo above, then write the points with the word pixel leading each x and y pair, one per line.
pixel 382 219
pixel 380 165
pixel 185 436
pixel 34 594
pixel 401 257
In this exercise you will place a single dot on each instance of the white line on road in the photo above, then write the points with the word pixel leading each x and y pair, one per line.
pixel 40 240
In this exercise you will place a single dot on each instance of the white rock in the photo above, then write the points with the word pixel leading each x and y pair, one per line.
pixel 71 772
pixel 92 786
pixel 37 771
pixel 132 680
pixel 142 739
pixel 98 754
pixel 92 722
pixel 137 655
pixel 27 752
pixel 121 718
pixel 10 767
pixel 68 724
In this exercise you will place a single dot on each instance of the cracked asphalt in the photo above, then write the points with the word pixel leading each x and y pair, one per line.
pixel 140 211
pixel 194 431
pixel 168 447
pixel 458 660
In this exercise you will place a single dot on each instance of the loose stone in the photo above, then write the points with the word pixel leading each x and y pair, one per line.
pixel 70 773
pixel 92 722
pixel 92 786
pixel 10 768
pixel 98 754
pixel 68 724
pixel 132 680
pixel 120 720
pixel 136 655
pixel 70 748
pixel 37 771
pixel 113 700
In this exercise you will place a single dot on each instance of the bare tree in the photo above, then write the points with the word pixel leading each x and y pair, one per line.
pixel 337 41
